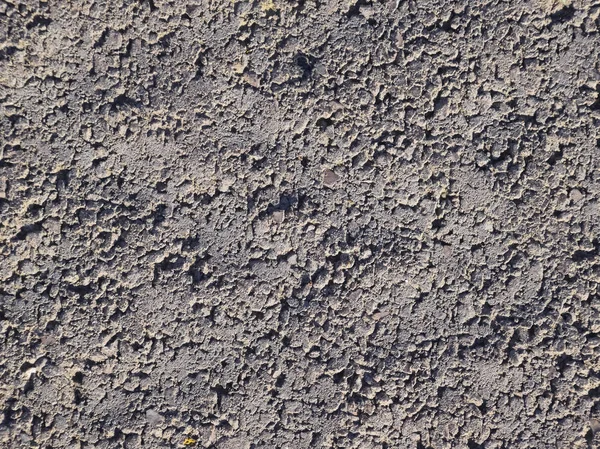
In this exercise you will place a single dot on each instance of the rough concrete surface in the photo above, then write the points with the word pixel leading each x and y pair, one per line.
pixel 299 224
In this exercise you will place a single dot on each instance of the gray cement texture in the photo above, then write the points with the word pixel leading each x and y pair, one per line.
pixel 299 224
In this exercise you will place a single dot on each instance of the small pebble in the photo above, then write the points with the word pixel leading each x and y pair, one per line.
pixel 329 177
pixel 576 195
pixel 153 417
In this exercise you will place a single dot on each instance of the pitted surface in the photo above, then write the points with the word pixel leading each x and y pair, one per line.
pixel 298 224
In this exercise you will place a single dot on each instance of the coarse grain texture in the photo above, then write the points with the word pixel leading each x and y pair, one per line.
pixel 299 224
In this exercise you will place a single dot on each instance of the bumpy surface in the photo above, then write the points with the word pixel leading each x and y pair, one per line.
pixel 299 224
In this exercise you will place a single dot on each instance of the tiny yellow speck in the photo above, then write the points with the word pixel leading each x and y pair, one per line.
pixel 268 5
pixel 189 442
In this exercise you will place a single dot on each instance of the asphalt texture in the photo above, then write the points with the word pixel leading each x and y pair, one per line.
pixel 299 224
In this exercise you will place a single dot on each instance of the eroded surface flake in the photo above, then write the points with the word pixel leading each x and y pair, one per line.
pixel 298 224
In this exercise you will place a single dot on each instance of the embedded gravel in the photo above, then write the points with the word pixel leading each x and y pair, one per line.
pixel 299 224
